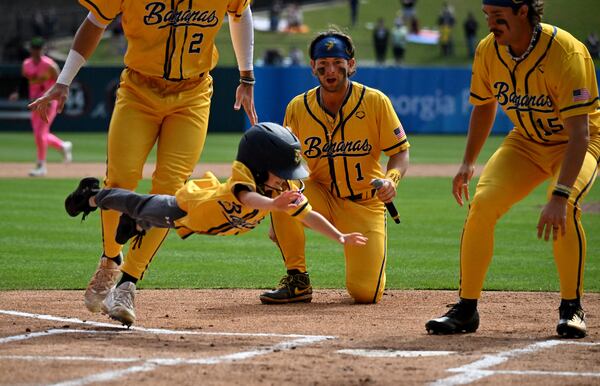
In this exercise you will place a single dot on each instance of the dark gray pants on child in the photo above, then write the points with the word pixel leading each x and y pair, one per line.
pixel 148 210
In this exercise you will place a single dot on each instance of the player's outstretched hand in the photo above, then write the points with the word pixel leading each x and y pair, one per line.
pixel 58 92
pixel 286 200
pixel 460 183
pixel 244 96
pixel 354 238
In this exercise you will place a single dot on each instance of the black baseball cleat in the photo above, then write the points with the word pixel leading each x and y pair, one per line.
pixel 78 201
pixel 571 322
pixel 292 288
pixel 126 229
pixel 460 318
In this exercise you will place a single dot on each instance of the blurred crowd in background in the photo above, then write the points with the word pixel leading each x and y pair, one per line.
pixel 389 43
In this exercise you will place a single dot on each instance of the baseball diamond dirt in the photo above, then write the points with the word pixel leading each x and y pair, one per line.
pixel 59 170
pixel 227 337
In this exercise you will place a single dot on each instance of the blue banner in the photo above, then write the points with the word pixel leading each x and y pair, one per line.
pixel 427 100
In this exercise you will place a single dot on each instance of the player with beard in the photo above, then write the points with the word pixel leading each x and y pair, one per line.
pixel 544 80
pixel 343 127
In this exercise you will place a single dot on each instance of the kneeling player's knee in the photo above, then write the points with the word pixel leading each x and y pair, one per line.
pixel 364 294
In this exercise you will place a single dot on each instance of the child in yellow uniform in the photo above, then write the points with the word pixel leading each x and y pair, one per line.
pixel 268 161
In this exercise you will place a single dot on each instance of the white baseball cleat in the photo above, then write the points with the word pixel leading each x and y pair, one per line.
pixel 119 304
pixel 67 151
pixel 39 171
pixel 102 281
pixel 571 323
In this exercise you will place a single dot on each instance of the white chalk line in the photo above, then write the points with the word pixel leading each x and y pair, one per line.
pixel 43 358
pixel 153 363
pixel 153 330
pixel 479 369
pixel 31 335
pixel 393 353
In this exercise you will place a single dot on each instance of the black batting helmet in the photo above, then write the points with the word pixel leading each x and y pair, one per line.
pixel 269 147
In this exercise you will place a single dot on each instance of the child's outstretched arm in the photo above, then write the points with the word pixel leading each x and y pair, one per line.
pixel 316 221
pixel 285 201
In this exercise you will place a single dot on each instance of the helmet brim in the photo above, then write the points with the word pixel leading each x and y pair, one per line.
pixel 295 173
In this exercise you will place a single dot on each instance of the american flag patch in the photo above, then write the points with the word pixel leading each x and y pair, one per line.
pixel 399 132
pixel 581 94
pixel 299 200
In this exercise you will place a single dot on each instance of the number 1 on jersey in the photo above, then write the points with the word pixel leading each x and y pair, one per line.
pixel 359 176
pixel 195 43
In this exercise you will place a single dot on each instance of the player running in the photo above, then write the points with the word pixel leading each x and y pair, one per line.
pixel 163 99
pixel 267 162
pixel 544 80
pixel 41 73
pixel 344 127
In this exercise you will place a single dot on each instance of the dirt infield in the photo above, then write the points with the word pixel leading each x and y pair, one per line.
pixel 78 170
pixel 226 337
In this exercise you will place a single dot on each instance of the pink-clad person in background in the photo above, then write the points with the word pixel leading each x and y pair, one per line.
pixel 41 73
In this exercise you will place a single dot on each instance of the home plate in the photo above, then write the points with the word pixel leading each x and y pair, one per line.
pixel 394 353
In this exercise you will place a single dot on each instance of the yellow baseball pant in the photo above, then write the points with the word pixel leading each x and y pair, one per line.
pixel 365 265
pixel 151 111
pixel 516 168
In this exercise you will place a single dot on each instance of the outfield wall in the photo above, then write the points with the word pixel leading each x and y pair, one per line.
pixel 427 100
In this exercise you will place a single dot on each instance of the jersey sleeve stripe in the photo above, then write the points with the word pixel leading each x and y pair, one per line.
pixel 473 95
pixel 579 105
pixel 98 11
pixel 234 11
pixel 396 145
pixel 300 210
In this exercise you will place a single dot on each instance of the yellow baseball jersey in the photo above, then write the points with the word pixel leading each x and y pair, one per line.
pixel 213 208
pixel 556 80
pixel 343 152
pixel 173 40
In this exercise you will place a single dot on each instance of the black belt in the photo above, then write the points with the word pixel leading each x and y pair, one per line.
pixel 362 196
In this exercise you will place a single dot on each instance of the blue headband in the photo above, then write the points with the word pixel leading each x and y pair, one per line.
pixel 331 47
pixel 506 3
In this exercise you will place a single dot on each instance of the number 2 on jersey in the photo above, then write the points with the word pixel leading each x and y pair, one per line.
pixel 195 43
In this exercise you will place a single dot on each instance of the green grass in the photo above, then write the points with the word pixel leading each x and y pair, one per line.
pixel 222 147
pixel 91 147
pixel 42 248
pixel 578 17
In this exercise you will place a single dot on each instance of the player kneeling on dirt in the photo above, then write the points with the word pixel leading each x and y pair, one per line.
pixel 262 180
